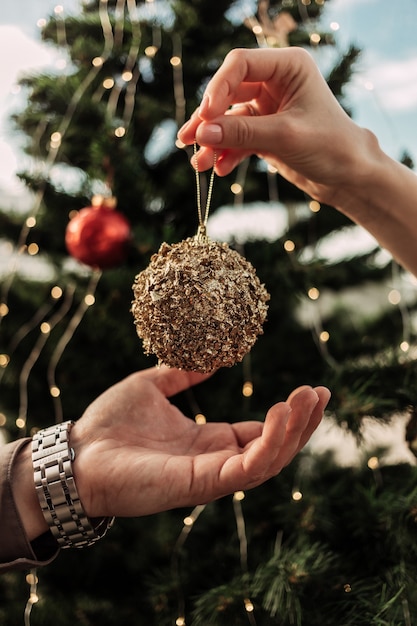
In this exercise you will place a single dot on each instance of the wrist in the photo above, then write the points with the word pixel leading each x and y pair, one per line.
pixel 56 490
pixel 24 494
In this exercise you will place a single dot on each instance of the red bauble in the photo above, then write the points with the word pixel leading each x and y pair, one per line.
pixel 98 236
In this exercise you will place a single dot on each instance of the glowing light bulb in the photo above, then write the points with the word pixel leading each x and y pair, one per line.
pixel 56 292
pixel 373 462
pixel 239 496
pixel 45 328
pixel 151 51
pixel 247 389
pixel 313 293
pixel 31 579
pixel 89 299
pixel 55 391
pixel 200 419
pixel 4 360
pixel 120 131
pixel 394 296
pixel 297 495
pixel 314 206
pixel 33 249
pixel 108 83
pixel 249 606
pixel 236 188
pixel 20 422
pixel 31 222
pixel 324 336
pixel 289 246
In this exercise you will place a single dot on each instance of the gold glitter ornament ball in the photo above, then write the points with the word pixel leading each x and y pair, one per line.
pixel 199 305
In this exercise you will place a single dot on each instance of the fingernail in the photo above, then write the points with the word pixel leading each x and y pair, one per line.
pixel 204 105
pixel 184 127
pixel 210 134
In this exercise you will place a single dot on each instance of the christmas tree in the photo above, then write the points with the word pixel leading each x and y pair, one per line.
pixel 324 542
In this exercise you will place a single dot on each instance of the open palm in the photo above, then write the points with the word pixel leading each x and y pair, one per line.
pixel 137 454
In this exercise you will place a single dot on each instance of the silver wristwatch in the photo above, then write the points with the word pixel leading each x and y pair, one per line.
pixel 52 459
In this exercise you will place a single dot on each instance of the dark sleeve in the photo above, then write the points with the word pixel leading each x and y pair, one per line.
pixel 16 552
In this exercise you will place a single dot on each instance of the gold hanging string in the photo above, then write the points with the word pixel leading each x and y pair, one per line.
pixel 202 219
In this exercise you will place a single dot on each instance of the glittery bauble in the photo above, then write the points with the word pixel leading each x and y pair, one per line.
pixel 199 305
pixel 98 236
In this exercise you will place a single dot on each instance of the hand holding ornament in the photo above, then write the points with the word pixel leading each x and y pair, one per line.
pixel 283 111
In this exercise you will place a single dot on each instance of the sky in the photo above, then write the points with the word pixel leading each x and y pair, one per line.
pixel 382 95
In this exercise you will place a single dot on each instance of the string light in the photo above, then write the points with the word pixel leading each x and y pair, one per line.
pixel 248 605
pixel 33 249
pixel 200 419
pixel 289 246
pixel 297 495
pixel 31 221
pixel 32 581
pixel 236 188
pixel 404 346
pixel 66 337
pixel 247 389
pixel 373 462
pixel 4 360
pixel 89 299
pixel 314 206
pixel 394 296
pixel 313 293
pixel 324 336
pixel 108 83
pixel 189 522
pixel 56 292
pixel 3 419
pixel 150 51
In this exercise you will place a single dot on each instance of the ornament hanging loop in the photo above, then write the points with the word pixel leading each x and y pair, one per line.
pixel 202 218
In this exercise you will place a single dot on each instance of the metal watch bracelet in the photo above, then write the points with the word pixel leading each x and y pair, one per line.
pixel 52 459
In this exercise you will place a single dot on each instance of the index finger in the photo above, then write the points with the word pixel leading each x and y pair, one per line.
pixel 265 65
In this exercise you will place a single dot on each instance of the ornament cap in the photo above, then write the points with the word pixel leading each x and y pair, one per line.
pixel 108 202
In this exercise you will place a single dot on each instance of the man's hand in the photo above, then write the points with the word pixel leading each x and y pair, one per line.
pixel 137 454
